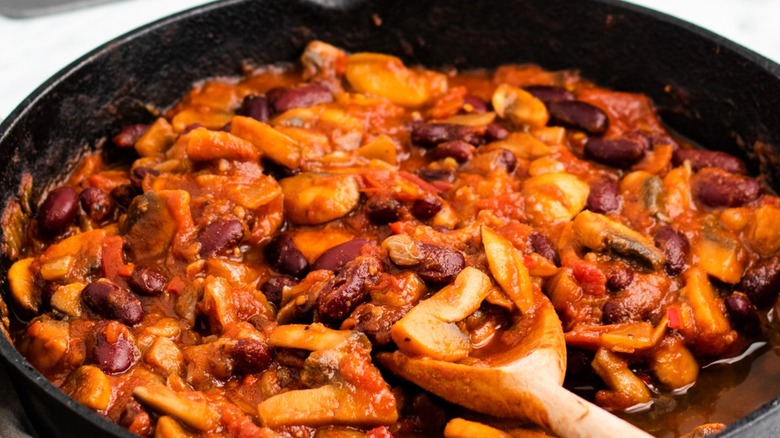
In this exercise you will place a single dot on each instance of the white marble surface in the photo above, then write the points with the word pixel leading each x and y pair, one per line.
pixel 32 50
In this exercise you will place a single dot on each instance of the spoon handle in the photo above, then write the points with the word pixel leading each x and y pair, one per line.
pixel 570 416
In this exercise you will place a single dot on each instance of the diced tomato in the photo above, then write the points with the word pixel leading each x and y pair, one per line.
pixel 590 278
pixel 675 317
pixel 379 432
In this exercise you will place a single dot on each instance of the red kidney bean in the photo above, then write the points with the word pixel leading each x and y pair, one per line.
pixel 376 321
pixel 495 132
pixel 129 135
pixel 146 280
pixel 347 289
pixel 619 278
pixel 58 211
pixel 717 188
pixel 111 301
pixel 615 311
pixel 439 265
pixel 251 356
pixel 542 246
pixel 700 158
pixel 603 196
pixel 113 352
pixel 507 160
pixel 300 97
pixel 138 174
pixel 430 175
pixel 256 107
pixel 273 289
pixel 761 282
pixel 651 139
pixel 615 152
pixel 456 149
pixel 549 93
pixel 426 207
pixel 96 203
pixel 473 104
pixel 743 314
pixel 431 134
pixel 382 211
pixel 135 419
pixel 285 257
pixel 675 247
pixel 219 236
pixel 123 195
pixel 578 115
pixel 335 258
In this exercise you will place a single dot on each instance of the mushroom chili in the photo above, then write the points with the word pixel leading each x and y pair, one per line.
pixel 267 240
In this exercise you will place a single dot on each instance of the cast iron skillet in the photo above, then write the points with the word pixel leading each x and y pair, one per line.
pixel 715 92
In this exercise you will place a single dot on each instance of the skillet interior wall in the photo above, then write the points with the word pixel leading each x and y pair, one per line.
pixel 714 89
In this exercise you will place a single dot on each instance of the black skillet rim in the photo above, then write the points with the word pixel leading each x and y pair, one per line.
pixel 761 421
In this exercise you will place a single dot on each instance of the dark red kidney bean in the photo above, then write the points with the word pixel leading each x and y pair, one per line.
pixel 138 174
pixel 651 139
pixel 439 265
pixel 603 196
pixel 459 150
pixel 578 115
pixel 273 289
pixel 112 356
pixel 495 132
pixel 675 247
pixel 430 175
pixel 431 134
pixel 111 301
pixel 219 236
pixel 743 314
pixel 136 419
pixel 96 203
pixel 58 211
pixel 347 289
pixel 542 246
pixel 761 282
pixel 129 135
pixel 146 280
pixel 335 258
pixel 256 107
pixel 700 158
pixel 123 195
pixel 376 321
pixel 616 152
pixel 426 207
pixel 717 188
pixel 300 97
pixel 507 160
pixel 383 210
pixel 285 257
pixel 549 93
pixel 251 356
pixel 619 278
pixel 614 312
pixel 473 104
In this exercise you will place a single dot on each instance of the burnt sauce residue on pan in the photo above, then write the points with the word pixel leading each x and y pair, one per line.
pixel 273 233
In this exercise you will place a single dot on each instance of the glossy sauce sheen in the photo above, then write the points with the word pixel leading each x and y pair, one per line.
pixel 275 230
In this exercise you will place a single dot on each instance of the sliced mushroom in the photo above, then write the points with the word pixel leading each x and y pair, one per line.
pixel 430 328
pixel 519 106
pixel 599 233
pixel 195 414
pixel 89 386
pixel 553 198
pixel 506 265
pixel 273 144
pixel 346 388
pixel 316 198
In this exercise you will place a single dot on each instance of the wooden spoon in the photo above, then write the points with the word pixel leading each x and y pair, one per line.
pixel 523 382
